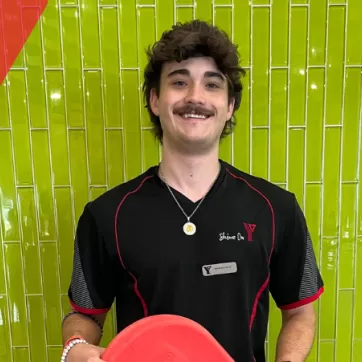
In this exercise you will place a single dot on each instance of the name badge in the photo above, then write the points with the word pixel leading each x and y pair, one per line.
pixel 217 269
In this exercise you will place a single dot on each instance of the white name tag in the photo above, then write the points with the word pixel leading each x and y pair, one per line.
pixel 217 269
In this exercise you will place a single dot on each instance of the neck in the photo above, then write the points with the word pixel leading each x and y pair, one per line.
pixel 192 175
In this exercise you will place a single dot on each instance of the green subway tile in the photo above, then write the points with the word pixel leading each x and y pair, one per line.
pixel 36 325
pixel 204 10
pixel 296 163
pixel 132 134
pixel 128 21
pixel 260 2
pixel 151 149
pixel 35 76
pixel 317 35
pixel 223 2
pixel 274 329
pixel 242 129
pixel 4 112
pixel 20 127
pixel 260 153
pixel 107 2
pixel 331 180
pixel 5 351
pixel 58 127
pixel 184 14
pixel 358 291
pixel 21 354
pixel 354 32
pixel 43 184
pixel 260 60
pixel 90 34
pixel 223 19
pixel 54 353
pixel 278 121
pixel 326 351
pixel 145 2
pixel 299 2
pixel 347 236
pixel 298 62
pixel 344 325
pixel 164 16
pixel 115 157
pixel 69 2
pixel 51 293
pixel 280 22
pixel 183 2
pixel 2 269
pixel 19 60
pixel 328 302
pixel 9 210
pixel 111 67
pixel 334 85
pixel 95 129
pixel 51 35
pixel 109 330
pixel 18 317
pixel 357 351
pixel 351 120
pixel 63 202
pixel 78 170
pixel 97 191
pixel 72 67
pixel 147 33
pixel 66 306
pixel 241 15
pixel 30 246
pixel 313 213
pixel 359 221
pixel 337 2
pixel 315 124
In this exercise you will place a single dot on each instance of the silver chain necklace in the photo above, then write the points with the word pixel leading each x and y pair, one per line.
pixel 189 227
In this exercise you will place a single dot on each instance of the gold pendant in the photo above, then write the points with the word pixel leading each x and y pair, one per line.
pixel 189 228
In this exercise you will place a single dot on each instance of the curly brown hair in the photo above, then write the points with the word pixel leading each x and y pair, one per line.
pixel 193 39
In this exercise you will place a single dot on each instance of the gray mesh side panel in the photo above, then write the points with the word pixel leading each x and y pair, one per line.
pixel 79 287
pixel 310 280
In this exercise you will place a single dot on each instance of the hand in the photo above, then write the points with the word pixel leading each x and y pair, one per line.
pixel 85 353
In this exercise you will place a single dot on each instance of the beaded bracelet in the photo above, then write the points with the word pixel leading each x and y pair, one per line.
pixel 69 345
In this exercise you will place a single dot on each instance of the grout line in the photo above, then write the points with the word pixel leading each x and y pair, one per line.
pixel 54 69
pixel 261 6
pixel 225 6
pixel 181 6
pixel 269 88
pixel 335 4
pixel 356 213
pixel 346 289
pixel 300 5
pixel 288 99
pixel 341 142
pixel 145 6
pixel 322 170
pixel 102 98
pixel 251 91
pixel 353 65
pixel 306 108
pixel 107 6
pixel 5 129
pixel 233 133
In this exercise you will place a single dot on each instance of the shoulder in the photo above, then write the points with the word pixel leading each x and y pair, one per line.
pixel 280 200
pixel 105 205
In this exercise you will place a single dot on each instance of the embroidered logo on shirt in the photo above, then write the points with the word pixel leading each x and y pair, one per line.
pixel 217 269
pixel 249 230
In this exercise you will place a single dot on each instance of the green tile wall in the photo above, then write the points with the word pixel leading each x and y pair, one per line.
pixel 72 125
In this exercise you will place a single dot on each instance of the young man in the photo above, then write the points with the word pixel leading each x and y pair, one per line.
pixel 193 236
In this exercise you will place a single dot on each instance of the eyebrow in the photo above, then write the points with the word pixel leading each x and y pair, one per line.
pixel 209 74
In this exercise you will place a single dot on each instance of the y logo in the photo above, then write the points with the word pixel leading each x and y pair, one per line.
pixel 249 229
pixel 207 269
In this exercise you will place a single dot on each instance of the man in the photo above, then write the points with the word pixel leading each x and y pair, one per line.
pixel 193 236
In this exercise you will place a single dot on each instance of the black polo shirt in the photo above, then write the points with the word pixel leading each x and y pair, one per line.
pixel 251 240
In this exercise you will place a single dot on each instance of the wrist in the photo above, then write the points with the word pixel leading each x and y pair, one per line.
pixel 69 344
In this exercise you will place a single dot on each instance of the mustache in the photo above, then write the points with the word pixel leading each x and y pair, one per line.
pixel 192 108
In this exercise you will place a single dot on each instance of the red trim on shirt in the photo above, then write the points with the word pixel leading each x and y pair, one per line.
pixel 88 310
pixel 302 302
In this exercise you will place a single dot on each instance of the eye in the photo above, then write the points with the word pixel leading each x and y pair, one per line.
pixel 212 85
pixel 179 83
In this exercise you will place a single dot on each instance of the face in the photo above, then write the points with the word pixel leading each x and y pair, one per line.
pixel 193 104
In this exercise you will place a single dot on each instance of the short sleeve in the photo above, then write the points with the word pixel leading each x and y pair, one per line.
pixel 91 290
pixel 295 279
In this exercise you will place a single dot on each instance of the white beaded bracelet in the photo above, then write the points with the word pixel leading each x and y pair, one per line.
pixel 69 346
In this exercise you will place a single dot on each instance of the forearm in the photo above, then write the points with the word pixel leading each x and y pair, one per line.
pixel 78 324
pixel 296 338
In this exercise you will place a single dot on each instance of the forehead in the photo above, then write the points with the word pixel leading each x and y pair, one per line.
pixel 196 67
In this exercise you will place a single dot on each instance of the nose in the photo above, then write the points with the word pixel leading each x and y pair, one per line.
pixel 195 94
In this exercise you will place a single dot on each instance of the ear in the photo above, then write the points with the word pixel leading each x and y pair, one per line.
pixel 230 108
pixel 154 102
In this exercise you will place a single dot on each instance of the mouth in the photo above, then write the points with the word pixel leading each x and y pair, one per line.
pixel 194 115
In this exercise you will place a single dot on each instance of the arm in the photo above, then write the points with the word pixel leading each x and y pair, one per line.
pixel 295 283
pixel 297 334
